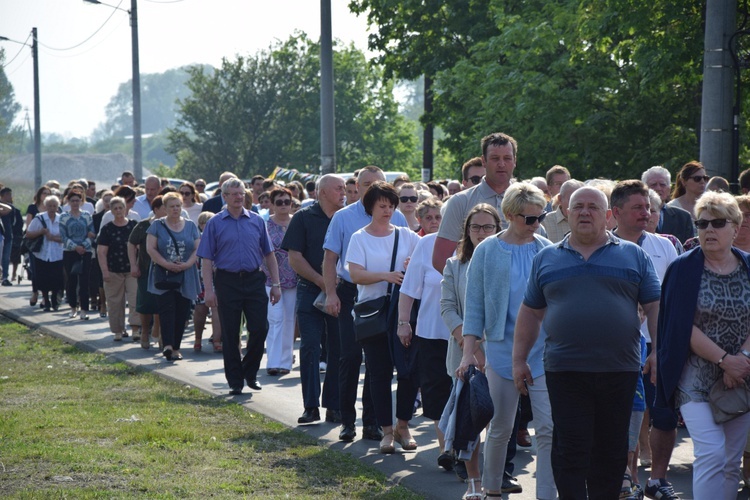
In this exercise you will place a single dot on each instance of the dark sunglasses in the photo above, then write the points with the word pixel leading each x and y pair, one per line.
pixel 531 219
pixel 200 185
pixel 412 199
pixel 475 179
pixel 716 223
pixel 186 193
pixel 281 203
pixel 698 178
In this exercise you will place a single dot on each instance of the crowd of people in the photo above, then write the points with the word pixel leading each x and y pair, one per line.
pixel 601 312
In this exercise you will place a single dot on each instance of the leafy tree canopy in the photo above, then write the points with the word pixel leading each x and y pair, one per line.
pixel 605 87
pixel 260 111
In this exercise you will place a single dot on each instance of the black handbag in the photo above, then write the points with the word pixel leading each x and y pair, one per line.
pixel 371 316
pixel 165 279
pixel 33 245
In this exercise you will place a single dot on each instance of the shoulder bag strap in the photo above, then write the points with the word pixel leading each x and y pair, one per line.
pixel 41 219
pixel 393 259
pixel 176 247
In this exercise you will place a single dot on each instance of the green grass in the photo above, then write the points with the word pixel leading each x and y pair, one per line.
pixel 77 425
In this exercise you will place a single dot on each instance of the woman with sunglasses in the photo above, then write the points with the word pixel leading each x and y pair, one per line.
pixel 190 203
pixel 408 201
pixel 690 185
pixel 280 338
pixel 496 282
pixel 704 340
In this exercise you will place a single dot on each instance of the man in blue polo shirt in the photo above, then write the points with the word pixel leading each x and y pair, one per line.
pixel 341 294
pixel 234 244
pixel 586 290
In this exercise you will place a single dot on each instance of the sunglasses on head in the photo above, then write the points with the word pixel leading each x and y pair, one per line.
pixel 475 179
pixel 280 203
pixel 405 199
pixel 716 223
pixel 531 219
pixel 698 178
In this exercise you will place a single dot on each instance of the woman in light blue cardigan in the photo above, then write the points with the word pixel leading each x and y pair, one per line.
pixel 496 280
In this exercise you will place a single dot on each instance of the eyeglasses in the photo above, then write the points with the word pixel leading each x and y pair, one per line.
pixel 200 185
pixel 412 199
pixel 486 228
pixel 281 203
pixel 531 219
pixel 475 179
pixel 698 178
pixel 716 223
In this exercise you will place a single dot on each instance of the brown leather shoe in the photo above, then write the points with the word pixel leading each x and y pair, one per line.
pixel 523 439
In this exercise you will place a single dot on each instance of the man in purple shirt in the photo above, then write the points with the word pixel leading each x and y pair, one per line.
pixel 234 244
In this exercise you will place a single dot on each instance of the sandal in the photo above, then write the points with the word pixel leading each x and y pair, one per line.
pixel 475 493
pixel 407 444
pixel 217 346
pixel 386 444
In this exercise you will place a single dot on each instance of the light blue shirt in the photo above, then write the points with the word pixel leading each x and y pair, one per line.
pixel 500 354
pixel 142 206
pixel 344 224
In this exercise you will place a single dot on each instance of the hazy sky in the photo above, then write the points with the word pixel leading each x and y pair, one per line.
pixel 83 57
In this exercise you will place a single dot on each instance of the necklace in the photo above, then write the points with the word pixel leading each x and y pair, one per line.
pixel 719 269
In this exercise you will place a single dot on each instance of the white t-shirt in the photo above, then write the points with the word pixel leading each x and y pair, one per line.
pixel 662 252
pixel 193 212
pixel 423 282
pixel 374 254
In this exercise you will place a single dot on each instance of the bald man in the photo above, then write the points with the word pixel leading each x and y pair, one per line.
pixel 586 289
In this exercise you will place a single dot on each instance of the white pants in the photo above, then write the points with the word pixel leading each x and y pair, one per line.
pixel 280 339
pixel 505 400
pixel 717 449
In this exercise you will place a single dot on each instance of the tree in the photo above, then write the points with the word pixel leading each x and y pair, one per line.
pixel 261 111
pixel 159 95
pixel 9 108
pixel 607 88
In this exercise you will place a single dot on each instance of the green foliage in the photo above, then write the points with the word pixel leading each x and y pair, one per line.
pixel 159 95
pixel 9 108
pixel 605 87
pixel 261 111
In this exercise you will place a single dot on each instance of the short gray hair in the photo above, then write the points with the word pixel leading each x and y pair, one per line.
pixel 659 170
pixel 232 182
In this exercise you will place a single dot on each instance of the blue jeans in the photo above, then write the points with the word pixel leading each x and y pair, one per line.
pixel 314 326
pixel 7 247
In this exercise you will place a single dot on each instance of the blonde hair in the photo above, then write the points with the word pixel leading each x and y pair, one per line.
pixel 720 205
pixel 520 194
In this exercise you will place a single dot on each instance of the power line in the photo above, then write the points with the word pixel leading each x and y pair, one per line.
pixel 89 37
pixel 25 44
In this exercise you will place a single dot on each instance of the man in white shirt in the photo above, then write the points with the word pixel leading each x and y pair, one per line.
pixel 143 202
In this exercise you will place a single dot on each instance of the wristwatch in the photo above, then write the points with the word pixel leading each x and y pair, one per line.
pixel 277 285
pixel 402 323
pixel 745 353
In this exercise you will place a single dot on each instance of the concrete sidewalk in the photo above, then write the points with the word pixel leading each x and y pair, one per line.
pixel 281 400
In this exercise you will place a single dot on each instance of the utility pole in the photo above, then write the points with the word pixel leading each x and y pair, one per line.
pixel 327 106
pixel 718 74
pixel 137 148
pixel 37 120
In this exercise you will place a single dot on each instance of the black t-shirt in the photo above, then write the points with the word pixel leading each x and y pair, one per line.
pixel 306 233
pixel 116 239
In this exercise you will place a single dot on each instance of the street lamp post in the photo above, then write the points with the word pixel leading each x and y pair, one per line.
pixel 137 148
pixel 37 120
